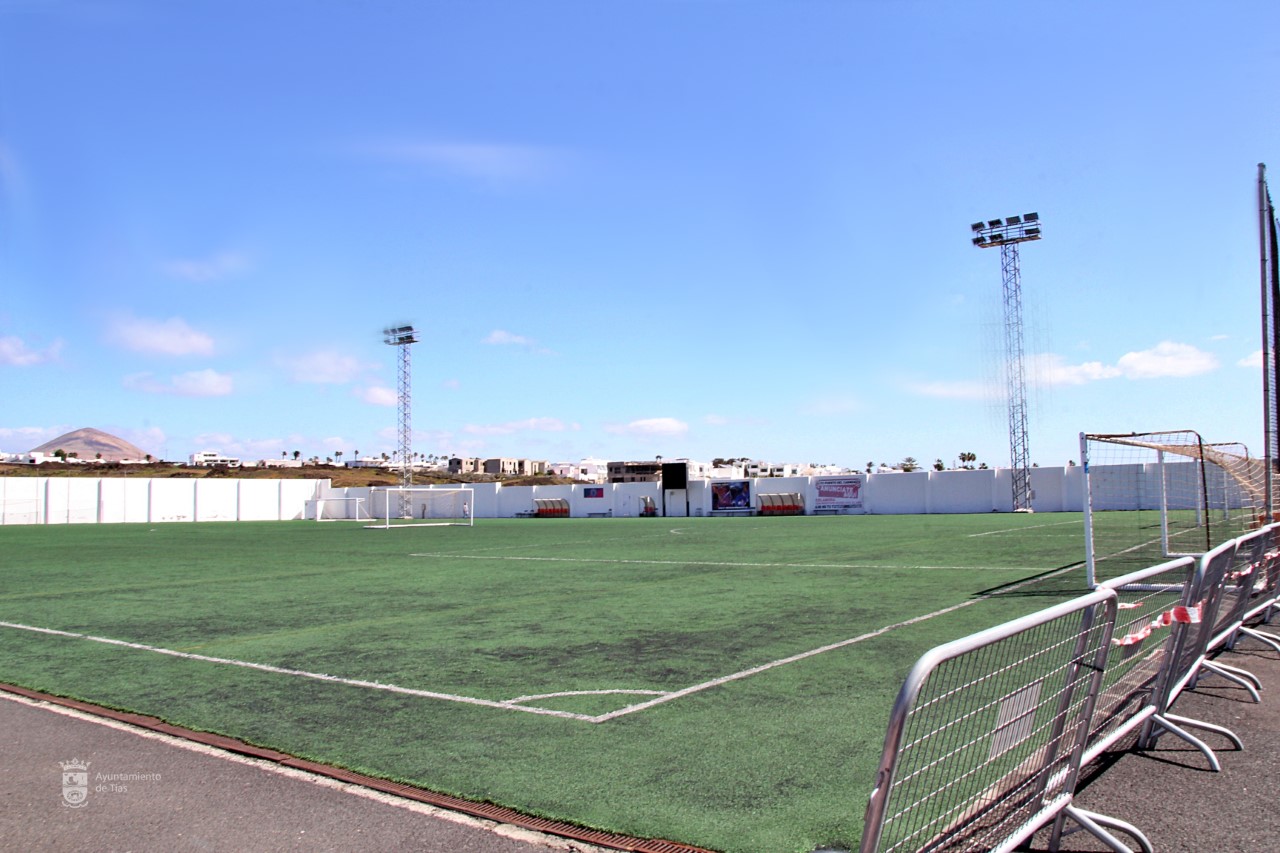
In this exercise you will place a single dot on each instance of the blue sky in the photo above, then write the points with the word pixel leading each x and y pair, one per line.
pixel 674 227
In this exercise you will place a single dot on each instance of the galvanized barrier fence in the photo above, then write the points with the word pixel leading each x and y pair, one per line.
pixel 989 733
pixel 986 736
pixel 1265 593
pixel 1154 609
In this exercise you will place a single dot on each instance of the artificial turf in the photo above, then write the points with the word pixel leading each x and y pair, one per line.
pixel 779 760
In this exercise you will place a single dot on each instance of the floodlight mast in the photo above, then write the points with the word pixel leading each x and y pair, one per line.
pixel 1007 234
pixel 401 337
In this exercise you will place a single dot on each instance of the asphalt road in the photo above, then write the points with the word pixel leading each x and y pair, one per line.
pixel 149 792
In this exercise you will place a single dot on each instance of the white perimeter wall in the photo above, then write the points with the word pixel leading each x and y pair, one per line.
pixel 116 500
pixel 80 500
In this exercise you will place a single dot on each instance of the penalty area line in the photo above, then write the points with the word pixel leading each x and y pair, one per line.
pixel 729 564
pixel 302 673
pixel 1020 529
pixel 756 670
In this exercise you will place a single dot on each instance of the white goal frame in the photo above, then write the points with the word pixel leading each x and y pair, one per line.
pixel 1188 496
pixel 429 506
pixel 361 512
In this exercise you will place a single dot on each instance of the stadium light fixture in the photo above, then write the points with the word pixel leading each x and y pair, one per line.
pixel 402 337
pixel 399 335
pixel 1007 231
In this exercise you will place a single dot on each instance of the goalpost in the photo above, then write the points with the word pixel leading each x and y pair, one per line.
pixel 1153 496
pixel 420 506
pixel 340 509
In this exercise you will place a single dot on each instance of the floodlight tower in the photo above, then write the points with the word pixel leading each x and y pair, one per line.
pixel 402 337
pixel 1007 234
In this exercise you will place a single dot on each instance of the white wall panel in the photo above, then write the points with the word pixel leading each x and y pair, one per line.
pixel 260 500
pixel 960 491
pixel 899 493
pixel 137 500
pixel 22 500
pixel 172 500
pixel 217 500
pixel 294 495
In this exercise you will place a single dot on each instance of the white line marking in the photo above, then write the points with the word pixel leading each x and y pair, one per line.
pixel 512 704
pixel 502 829
pixel 1028 527
pixel 299 673
pixel 880 566
pixel 564 693
pixel 755 670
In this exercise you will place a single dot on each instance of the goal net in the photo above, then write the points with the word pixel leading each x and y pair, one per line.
pixel 417 506
pixel 1153 496
pixel 339 509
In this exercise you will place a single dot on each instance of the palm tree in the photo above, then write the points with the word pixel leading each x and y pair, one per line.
pixel 938 465
pixel 296 454
pixel 909 464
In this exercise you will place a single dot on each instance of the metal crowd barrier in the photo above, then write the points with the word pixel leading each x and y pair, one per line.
pixel 1155 608
pixel 1233 601
pixel 1265 593
pixel 989 731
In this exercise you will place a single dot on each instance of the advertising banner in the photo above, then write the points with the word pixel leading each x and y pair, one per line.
pixel 841 494
pixel 731 495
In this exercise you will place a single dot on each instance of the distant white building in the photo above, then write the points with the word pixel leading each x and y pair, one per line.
pixel 584 470
pixel 757 468
pixel 279 463
pixel 368 462
pixel 208 459
pixel 34 457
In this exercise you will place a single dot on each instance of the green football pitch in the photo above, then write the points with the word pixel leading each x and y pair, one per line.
pixel 720 682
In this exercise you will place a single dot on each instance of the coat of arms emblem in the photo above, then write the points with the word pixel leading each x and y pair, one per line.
pixel 75 783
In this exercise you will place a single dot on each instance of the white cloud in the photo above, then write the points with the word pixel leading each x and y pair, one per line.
pixel 716 420
pixel 451 384
pixel 498 337
pixel 650 427
pixel 959 390
pixel 1051 369
pixel 196 383
pixel 325 367
pixel 212 268
pixel 15 352
pixel 149 439
pixel 503 338
pixel 490 162
pixel 378 395
pixel 22 439
pixel 166 337
pixel 1167 359
pixel 1253 360
pixel 526 425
